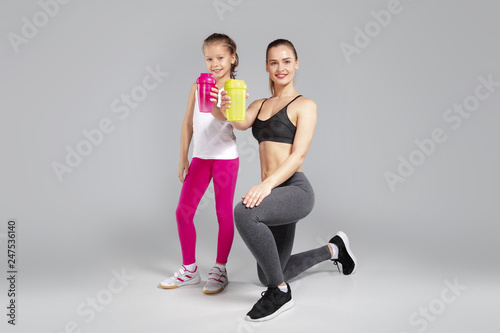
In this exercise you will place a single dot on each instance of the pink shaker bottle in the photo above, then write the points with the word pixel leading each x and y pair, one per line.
pixel 205 84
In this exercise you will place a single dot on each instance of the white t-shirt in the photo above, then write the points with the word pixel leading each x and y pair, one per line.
pixel 212 138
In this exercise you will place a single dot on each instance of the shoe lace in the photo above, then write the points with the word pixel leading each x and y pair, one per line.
pixel 269 295
pixel 336 263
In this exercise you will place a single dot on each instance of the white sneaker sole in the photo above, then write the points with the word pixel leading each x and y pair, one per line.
pixel 192 281
pixel 342 235
pixel 209 292
pixel 286 306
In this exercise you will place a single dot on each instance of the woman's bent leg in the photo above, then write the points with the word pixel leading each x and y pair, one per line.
pixel 283 236
pixel 301 262
pixel 285 205
pixel 293 265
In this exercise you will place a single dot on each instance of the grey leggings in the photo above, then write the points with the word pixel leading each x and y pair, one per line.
pixel 268 230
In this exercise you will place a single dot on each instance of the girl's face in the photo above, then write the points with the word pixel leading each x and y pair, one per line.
pixel 218 60
pixel 281 64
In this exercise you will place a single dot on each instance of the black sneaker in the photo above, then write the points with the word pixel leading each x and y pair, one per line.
pixel 345 258
pixel 272 303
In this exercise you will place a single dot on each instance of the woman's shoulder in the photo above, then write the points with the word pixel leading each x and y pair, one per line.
pixel 305 103
pixel 258 102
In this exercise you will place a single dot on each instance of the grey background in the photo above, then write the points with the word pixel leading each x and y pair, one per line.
pixel 116 209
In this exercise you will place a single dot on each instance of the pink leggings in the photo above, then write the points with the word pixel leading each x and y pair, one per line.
pixel 224 173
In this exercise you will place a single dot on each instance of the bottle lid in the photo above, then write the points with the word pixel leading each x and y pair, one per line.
pixel 206 78
pixel 231 84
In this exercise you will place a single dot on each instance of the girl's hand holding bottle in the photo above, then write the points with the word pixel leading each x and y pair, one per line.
pixel 215 95
pixel 225 100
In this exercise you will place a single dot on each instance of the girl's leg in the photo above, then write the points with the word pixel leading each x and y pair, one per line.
pixel 195 185
pixel 225 173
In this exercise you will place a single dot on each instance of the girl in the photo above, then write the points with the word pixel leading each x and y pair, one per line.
pixel 215 156
pixel 267 216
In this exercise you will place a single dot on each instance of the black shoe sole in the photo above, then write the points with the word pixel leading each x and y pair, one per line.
pixel 345 240
pixel 287 306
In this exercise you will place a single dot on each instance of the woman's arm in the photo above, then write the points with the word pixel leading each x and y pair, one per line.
pixel 187 134
pixel 306 122
pixel 250 115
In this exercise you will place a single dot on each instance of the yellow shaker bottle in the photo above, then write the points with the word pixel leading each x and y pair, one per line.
pixel 237 90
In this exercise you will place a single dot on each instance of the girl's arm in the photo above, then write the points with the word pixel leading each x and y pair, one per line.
pixel 187 135
pixel 306 122
pixel 220 112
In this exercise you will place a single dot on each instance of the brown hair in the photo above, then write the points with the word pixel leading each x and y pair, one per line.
pixel 229 43
pixel 279 42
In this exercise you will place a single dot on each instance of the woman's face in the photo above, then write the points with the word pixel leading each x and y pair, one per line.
pixel 218 59
pixel 281 64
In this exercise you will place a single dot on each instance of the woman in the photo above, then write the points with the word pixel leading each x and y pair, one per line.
pixel 266 217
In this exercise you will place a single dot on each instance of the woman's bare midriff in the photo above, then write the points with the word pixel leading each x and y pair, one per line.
pixel 272 155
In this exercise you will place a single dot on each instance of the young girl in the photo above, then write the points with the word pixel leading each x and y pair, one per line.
pixel 214 156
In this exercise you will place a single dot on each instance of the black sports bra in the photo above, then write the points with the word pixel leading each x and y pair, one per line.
pixel 278 128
